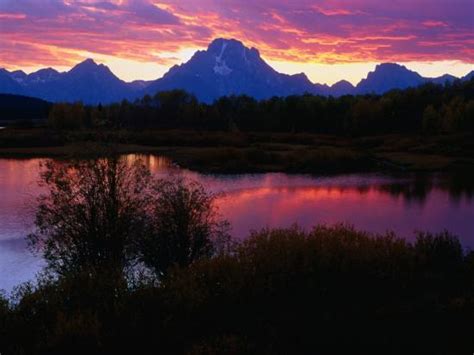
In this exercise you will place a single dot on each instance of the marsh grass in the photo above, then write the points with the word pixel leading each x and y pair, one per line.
pixel 234 152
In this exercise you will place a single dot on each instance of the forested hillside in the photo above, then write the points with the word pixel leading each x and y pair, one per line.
pixel 15 107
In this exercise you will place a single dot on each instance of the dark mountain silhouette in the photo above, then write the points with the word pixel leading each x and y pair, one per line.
pixel 16 107
pixel 42 76
pixel 88 82
pixel 19 76
pixel 468 76
pixel 8 84
pixel 443 79
pixel 389 76
pixel 225 68
pixel 140 84
pixel 341 88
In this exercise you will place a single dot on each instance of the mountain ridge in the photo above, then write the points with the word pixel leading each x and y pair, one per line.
pixel 227 67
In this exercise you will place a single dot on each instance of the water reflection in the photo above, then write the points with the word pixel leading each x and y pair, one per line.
pixel 373 202
pixel 155 163
pixel 365 207
pixel 414 187
pixel 417 188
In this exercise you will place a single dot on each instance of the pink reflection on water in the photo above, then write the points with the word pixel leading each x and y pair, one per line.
pixel 251 202
pixel 18 189
pixel 370 209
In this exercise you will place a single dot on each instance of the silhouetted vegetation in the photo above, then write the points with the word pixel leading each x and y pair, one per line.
pixel 31 138
pixel 109 233
pixel 90 215
pixel 331 290
pixel 247 152
pixel 103 215
pixel 184 226
pixel 428 128
pixel 429 109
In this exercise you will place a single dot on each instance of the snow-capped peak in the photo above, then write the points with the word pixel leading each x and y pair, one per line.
pixel 221 67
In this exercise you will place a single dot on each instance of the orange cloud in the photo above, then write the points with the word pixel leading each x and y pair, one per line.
pixel 60 33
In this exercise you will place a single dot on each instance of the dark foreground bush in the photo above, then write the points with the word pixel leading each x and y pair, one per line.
pixel 333 290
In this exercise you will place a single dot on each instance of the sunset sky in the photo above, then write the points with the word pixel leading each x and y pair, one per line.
pixel 328 40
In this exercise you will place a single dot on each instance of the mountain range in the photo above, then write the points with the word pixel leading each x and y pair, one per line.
pixel 226 67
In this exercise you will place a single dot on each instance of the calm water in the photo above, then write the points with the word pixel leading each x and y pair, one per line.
pixel 372 202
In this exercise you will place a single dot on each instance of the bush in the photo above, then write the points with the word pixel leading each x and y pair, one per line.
pixel 332 290
pixel 184 226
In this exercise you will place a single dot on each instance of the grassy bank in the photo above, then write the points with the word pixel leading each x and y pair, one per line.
pixel 226 152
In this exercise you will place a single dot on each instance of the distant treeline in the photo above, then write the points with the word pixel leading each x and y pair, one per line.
pixel 15 107
pixel 429 108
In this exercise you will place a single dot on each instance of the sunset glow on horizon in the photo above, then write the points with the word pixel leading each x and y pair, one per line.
pixel 327 40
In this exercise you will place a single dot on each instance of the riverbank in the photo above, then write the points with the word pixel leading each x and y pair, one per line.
pixel 227 152
pixel 282 291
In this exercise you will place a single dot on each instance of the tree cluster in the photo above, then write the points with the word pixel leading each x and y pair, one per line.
pixel 107 215
pixel 429 108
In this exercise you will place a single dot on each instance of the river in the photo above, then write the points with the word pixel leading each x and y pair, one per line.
pixel 373 202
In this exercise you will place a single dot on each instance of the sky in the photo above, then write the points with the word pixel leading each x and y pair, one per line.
pixel 328 40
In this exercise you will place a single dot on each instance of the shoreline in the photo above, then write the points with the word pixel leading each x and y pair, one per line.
pixel 231 153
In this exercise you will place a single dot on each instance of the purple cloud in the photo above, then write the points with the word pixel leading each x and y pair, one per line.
pixel 302 30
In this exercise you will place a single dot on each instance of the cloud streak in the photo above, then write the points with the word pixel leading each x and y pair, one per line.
pixel 61 32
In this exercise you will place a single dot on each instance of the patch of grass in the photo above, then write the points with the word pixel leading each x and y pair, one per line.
pixel 29 138
pixel 421 162
pixel 234 152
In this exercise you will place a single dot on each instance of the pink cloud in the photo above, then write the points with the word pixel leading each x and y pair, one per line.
pixel 435 24
pixel 334 31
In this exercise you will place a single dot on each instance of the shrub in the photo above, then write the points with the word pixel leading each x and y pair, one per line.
pixel 184 226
